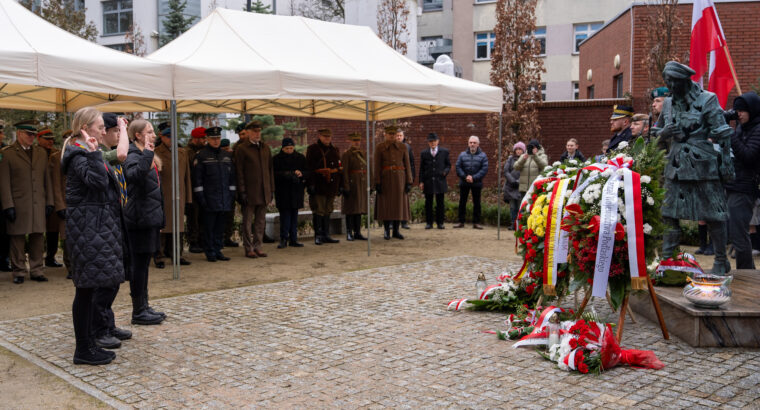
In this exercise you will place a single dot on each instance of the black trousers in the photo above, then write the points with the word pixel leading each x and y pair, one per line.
pixel 213 227
pixel 739 214
pixel 102 316
pixel 514 209
pixel 138 285
pixel 51 245
pixel 464 192
pixel 81 313
pixel 440 208
pixel 5 242
pixel 288 224
pixel 195 233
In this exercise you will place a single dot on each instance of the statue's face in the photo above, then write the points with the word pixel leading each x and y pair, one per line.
pixel 678 86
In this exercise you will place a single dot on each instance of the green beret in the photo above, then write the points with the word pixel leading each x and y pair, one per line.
pixel 660 92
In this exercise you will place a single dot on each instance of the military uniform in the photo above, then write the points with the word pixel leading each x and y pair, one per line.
pixel 354 202
pixel 195 213
pixel 392 177
pixel 620 111
pixel 5 263
pixel 185 198
pixel 26 196
pixel 324 181
pixel 214 191
pixel 53 221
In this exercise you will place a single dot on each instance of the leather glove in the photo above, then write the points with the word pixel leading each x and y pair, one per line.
pixel 407 188
pixel 379 189
pixel 311 189
pixel 10 214
pixel 49 210
pixel 61 213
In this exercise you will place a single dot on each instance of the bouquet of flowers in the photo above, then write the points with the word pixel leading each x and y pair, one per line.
pixel 673 271
pixel 505 296
pixel 625 189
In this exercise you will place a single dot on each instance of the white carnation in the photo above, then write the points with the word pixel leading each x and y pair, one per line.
pixel 556 164
pixel 570 169
pixel 574 162
pixel 650 200
pixel 621 155
pixel 548 167
pixel 622 145
pixel 594 174
pixel 645 179
pixel 647 229
pixel 607 173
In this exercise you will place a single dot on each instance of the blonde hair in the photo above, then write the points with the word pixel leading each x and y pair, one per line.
pixel 82 118
pixel 573 140
pixel 138 126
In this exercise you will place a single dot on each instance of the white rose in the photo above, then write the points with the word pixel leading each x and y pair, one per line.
pixel 647 229
pixel 572 161
pixel 556 164
pixel 645 179
pixel 548 167
pixel 650 200
pixel 622 145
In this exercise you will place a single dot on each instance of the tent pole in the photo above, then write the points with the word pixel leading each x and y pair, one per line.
pixel 176 239
pixel 374 144
pixel 369 173
pixel 498 198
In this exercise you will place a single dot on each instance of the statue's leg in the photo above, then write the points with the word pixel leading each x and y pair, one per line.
pixel 718 234
pixel 671 238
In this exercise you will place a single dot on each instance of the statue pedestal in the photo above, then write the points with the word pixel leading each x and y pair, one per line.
pixel 735 324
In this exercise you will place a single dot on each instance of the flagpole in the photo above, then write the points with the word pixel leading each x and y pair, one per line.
pixel 733 70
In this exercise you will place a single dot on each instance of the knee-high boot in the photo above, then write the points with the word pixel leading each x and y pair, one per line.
pixel 326 230
pixel 316 221
pixel 387 231
pixel 358 228
pixel 349 227
pixel 719 237
pixel 396 233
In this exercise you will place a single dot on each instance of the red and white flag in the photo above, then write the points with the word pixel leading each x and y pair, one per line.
pixel 707 38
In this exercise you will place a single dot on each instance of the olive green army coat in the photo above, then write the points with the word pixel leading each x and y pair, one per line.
pixel 25 186
pixel 354 182
pixel 185 184
pixel 391 172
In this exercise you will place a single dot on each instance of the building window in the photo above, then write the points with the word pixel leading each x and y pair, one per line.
pixel 540 35
pixel 484 45
pixel 584 31
pixel 432 5
pixel 117 16
pixel 119 47
pixel 576 91
pixel 618 80
pixel 590 92
pixel 543 91
pixel 485 1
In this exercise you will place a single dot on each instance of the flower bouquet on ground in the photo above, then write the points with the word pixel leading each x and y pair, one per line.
pixel 505 296
pixel 674 270
pixel 614 223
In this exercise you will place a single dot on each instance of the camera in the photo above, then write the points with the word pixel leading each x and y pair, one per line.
pixel 730 115
pixel 530 148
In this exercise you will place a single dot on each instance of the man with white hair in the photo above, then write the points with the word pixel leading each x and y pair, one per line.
pixel 472 167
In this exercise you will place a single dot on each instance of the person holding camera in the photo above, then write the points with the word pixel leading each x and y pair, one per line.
pixel 530 165
pixel 512 194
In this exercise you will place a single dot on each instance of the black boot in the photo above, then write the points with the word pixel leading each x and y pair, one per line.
pixel 92 355
pixel 316 221
pixel 755 239
pixel 718 235
pixel 358 228
pixel 396 233
pixel 702 229
pixel 326 230
pixel 150 308
pixel 283 243
pixel 140 315
pixel 387 232
pixel 349 228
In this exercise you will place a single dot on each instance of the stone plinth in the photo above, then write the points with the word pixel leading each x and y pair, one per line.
pixel 735 324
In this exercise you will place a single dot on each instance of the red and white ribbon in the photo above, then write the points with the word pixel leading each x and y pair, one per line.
pixel 457 304
pixel 684 262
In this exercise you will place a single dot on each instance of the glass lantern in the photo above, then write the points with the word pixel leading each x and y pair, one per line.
pixel 480 284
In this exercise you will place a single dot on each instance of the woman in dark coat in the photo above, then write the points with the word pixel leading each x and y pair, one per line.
pixel 289 182
pixel 93 228
pixel 145 216
pixel 512 194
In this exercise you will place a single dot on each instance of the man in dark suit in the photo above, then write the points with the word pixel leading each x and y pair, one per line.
pixel 434 167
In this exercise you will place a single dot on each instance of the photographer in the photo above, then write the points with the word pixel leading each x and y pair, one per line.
pixel 530 165
pixel 743 190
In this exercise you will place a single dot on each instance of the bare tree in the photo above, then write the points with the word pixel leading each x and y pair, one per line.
pixel 516 68
pixel 134 41
pixel 392 17
pixel 664 26
pixel 63 14
pixel 326 10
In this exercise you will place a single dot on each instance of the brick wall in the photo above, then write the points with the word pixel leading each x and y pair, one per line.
pixel 598 54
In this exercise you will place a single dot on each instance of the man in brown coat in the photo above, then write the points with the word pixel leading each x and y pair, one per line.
pixel 392 175
pixel 255 184
pixel 5 263
pixel 323 182
pixel 354 188
pixel 27 198
pixel 164 153
pixel 46 139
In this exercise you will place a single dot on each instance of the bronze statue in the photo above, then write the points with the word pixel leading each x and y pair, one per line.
pixel 699 161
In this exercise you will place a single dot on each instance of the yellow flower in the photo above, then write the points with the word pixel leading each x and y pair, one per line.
pixel 545 212
pixel 539 231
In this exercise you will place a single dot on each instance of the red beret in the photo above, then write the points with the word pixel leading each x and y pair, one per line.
pixel 199 132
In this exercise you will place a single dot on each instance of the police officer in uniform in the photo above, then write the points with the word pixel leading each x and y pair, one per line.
pixel 323 182
pixel 392 175
pixel 354 189
pixel 27 199
pixel 214 190
pixel 194 211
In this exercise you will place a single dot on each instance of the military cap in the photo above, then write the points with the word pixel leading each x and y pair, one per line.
pixel 166 132
pixel 29 125
pixel 677 70
pixel 46 133
pixel 355 136
pixel 214 132
pixel 288 142
pixel 164 125
pixel 391 129
pixel 111 120
pixel 325 131
pixel 199 132
pixel 640 117
pixel 621 111
pixel 225 143
pixel 432 136
pixel 240 127
pixel 660 92
pixel 253 125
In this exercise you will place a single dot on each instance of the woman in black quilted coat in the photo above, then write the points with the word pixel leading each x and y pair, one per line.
pixel 93 228
pixel 145 216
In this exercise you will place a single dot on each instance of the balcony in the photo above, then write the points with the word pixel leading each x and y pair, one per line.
pixel 441 46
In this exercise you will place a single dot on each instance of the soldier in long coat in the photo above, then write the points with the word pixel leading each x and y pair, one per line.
pixel 164 153
pixel 255 182
pixel 323 183
pixel 354 189
pixel 27 197
pixel 45 139
pixel 392 177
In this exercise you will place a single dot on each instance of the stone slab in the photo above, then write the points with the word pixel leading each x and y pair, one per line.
pixel 272 228
pixel 735 324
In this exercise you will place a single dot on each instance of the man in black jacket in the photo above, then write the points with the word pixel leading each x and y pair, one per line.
pixel 743 190
pixel 434 167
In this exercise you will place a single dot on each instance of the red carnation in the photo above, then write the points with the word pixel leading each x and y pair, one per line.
pixel 530 288
pixel 583 368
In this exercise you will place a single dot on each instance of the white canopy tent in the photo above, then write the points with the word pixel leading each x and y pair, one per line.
pixel 45 68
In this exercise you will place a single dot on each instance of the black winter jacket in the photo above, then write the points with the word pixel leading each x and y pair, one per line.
pixel 745 145
pixel 511 180
pixel 472 164
pixel 578 156
pixel 288 188
pixel 433 171
pixel 94 234
pixel 145 203
pixel 214 178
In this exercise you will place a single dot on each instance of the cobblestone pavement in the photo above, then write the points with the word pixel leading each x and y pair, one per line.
pixel 374 338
